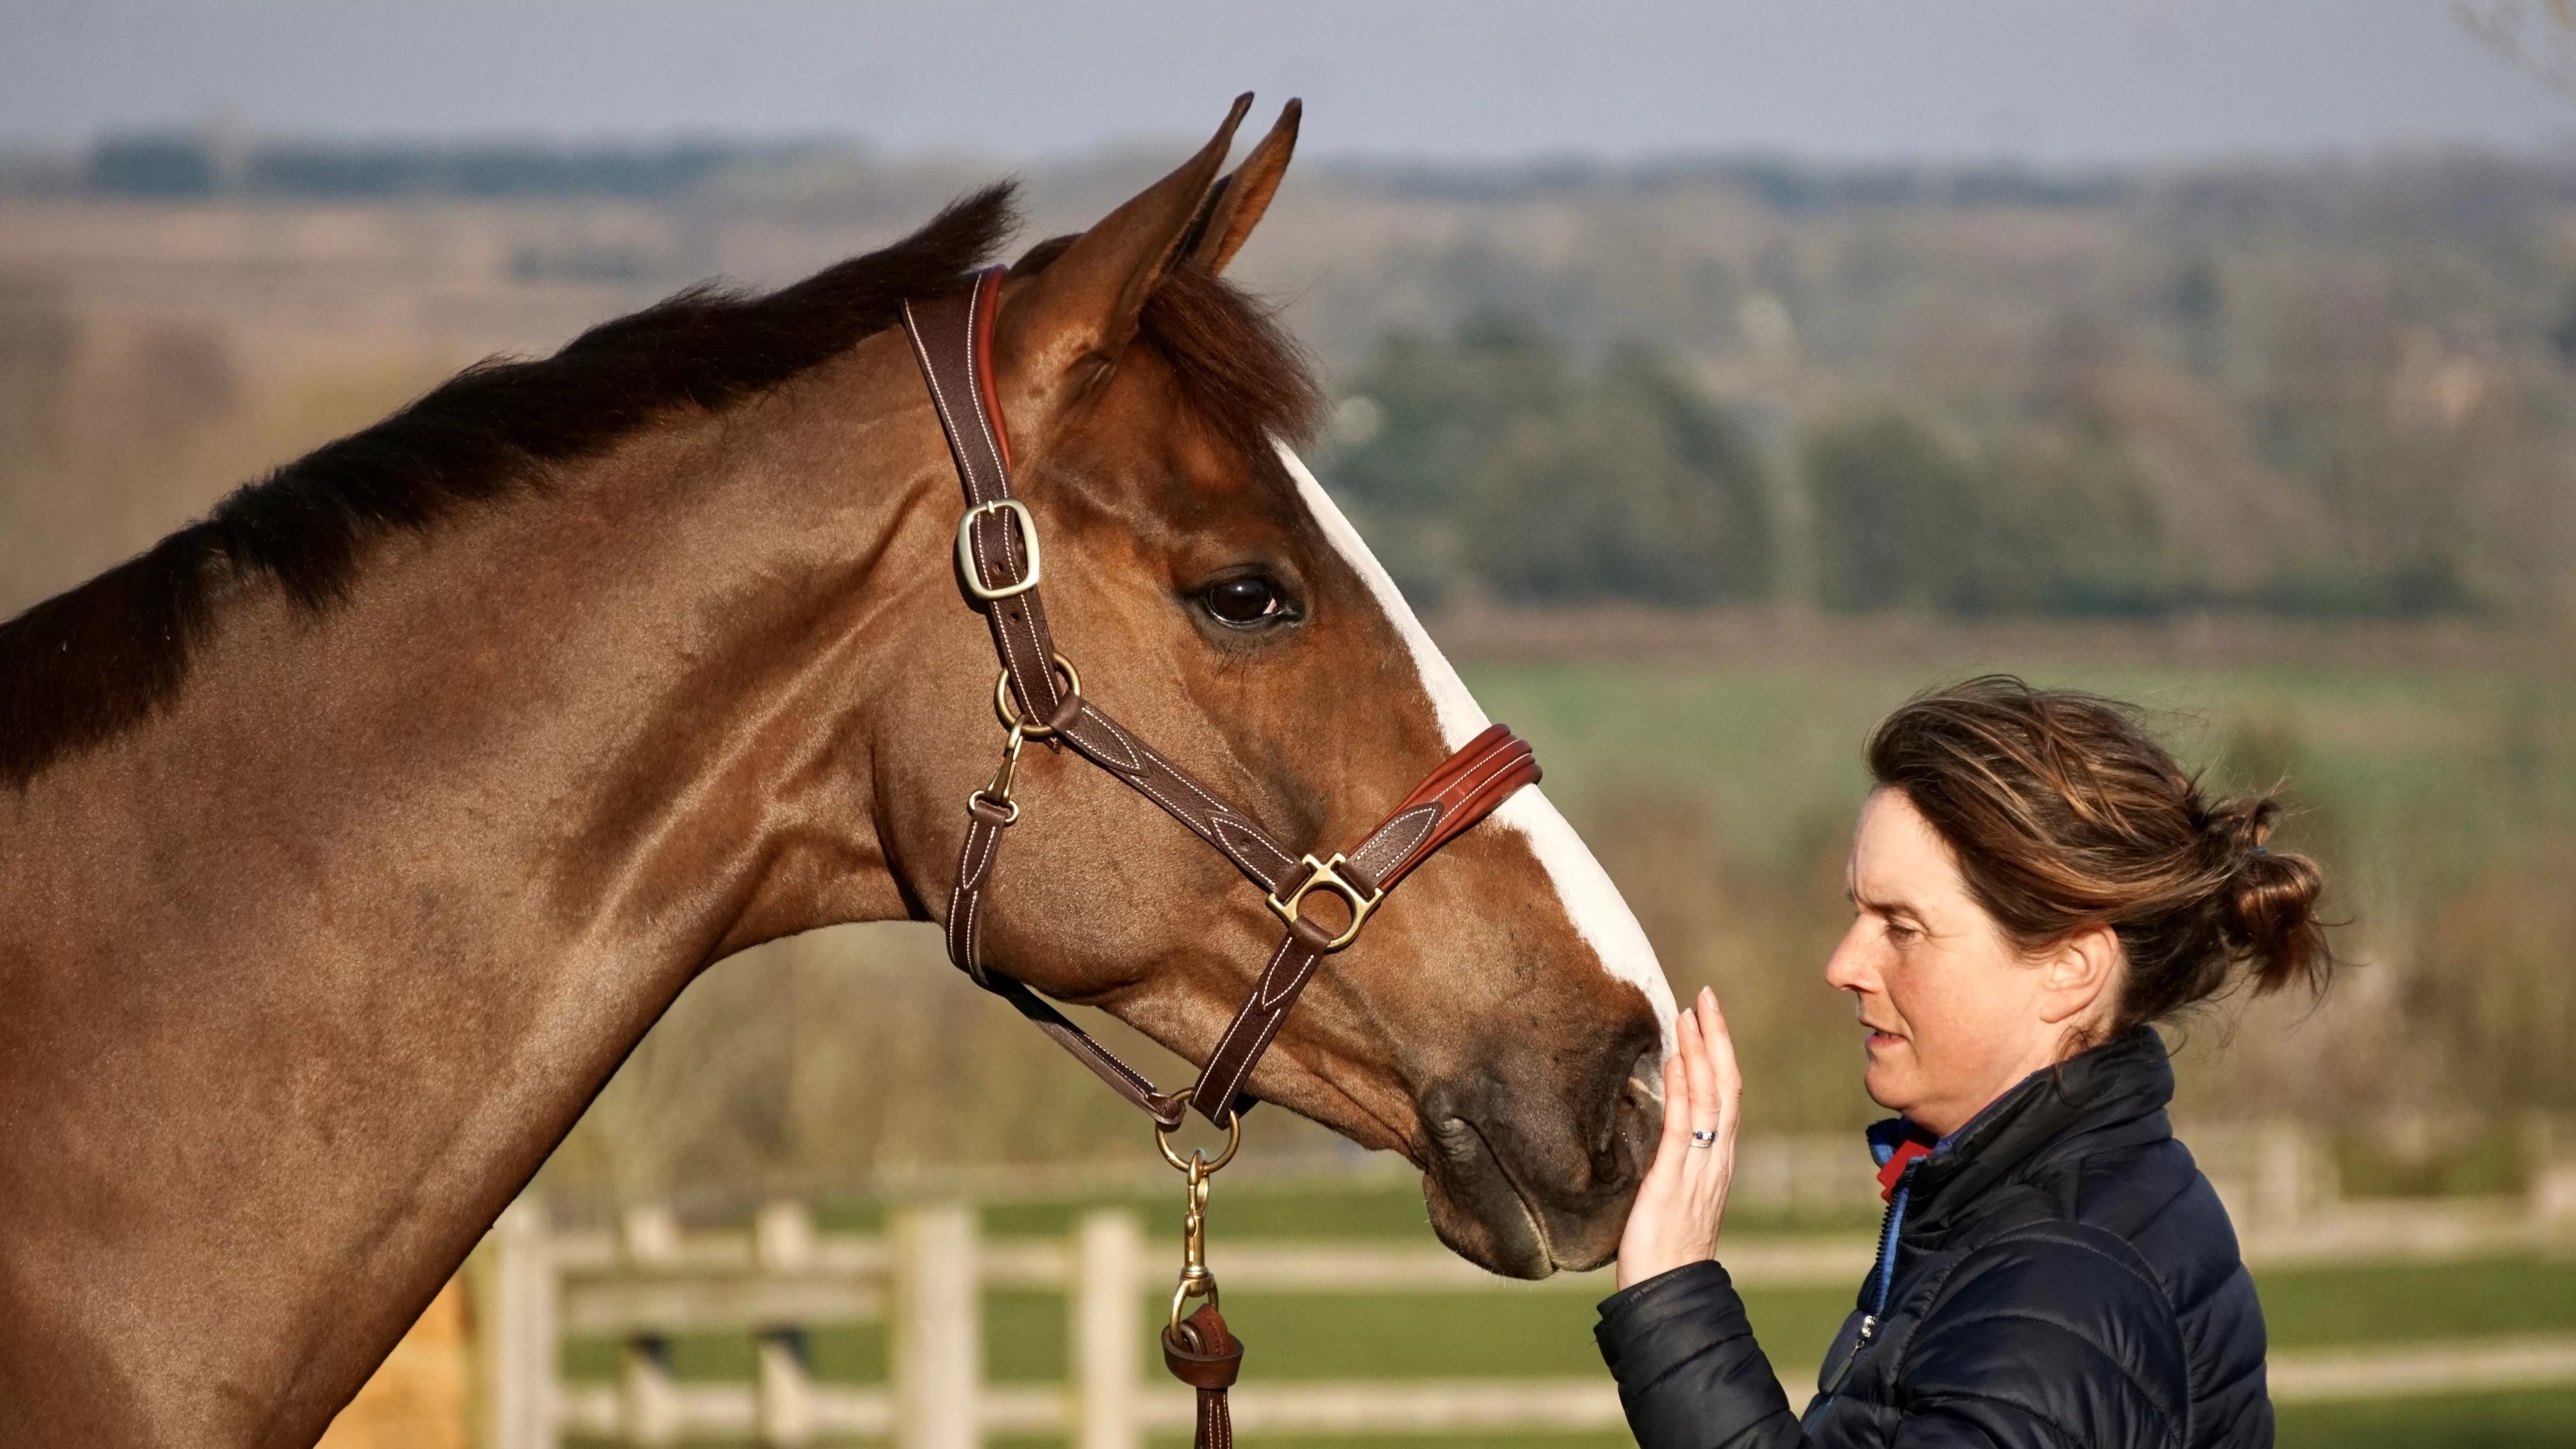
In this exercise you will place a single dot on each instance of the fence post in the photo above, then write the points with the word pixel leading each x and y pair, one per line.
pixel 2282 1180
pixel 783 1245
pixel 519 1348
pixel 934 1336
pixel 649 1408
pixel 786 1391
pixel 1109 1260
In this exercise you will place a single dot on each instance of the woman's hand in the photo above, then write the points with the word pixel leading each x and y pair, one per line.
pixel 1678 1205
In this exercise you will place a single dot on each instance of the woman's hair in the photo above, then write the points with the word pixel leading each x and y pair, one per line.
pixel 2065 814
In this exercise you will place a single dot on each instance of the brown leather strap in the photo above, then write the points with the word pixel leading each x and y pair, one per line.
pixel 985 823
pixel 1467 787
pixel 1202 1353
pixel 1463 790
pixel 952 337
pixel 1241 840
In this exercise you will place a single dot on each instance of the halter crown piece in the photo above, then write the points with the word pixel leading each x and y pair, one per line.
pixel 1039 697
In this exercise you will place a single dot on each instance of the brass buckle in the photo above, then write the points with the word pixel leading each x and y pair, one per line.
pixel 1010 713
pixel 966 549
pixel 1322 874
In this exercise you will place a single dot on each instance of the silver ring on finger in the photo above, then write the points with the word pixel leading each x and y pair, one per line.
pixel 1703 1139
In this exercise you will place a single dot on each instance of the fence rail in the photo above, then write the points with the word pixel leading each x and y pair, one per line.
pixel 648 1282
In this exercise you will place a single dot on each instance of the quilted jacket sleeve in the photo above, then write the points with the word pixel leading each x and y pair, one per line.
pixel 1690 1374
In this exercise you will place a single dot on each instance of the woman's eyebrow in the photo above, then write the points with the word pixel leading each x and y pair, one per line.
pixel 1881 906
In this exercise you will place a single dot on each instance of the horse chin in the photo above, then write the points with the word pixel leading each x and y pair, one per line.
pixel 1478 1210
pixel 1487 1216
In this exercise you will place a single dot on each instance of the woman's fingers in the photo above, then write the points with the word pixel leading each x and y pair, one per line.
pixel 1667 1165
pixel 1659 1222
pixel 1700 1066
pixel 1676 1098
pixel 1721 1050
pixel 1675 1217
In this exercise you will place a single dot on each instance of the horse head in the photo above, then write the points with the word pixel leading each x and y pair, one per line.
pixel 1499 1021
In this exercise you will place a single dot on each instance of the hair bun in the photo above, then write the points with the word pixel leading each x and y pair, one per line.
pixel 2269 905
pixel 2064 814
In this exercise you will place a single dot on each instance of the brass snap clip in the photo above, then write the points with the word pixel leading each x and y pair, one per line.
pixel 998 794
pixel 1196 1281
pixel 1325 875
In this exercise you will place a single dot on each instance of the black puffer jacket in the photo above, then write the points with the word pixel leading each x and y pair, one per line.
pixel 2063 1276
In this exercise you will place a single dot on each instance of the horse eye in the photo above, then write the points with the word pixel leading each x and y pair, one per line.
pixel 1245 601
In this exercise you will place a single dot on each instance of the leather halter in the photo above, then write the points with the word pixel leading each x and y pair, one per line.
pixel 1000 563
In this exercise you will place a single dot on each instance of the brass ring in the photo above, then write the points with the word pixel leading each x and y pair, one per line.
pixel 1233 1140
pixel 974 795
pixel 1010 712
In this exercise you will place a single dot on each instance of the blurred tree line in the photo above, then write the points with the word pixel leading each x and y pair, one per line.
pixel 1495 464
pixel 1500 464
pixel 2314 390
pixel 1494 459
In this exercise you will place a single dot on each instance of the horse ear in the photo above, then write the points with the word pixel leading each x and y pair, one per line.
pixel 1234 208
pixel 1082 308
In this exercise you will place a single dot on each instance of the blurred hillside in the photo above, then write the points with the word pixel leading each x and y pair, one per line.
pixel 2323 389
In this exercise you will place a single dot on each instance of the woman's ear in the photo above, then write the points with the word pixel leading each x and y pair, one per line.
pixel 2082 976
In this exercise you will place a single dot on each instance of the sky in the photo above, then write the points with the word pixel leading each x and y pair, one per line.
pixel 2043 81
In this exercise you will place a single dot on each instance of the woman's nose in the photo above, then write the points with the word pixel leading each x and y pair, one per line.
pixel 1849 968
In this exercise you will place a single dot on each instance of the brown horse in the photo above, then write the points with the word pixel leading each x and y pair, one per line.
pixel 350 837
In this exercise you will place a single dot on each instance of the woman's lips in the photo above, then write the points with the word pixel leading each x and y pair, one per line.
pixel 1883 1038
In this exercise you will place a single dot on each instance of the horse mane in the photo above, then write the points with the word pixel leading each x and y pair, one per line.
pixel 87 664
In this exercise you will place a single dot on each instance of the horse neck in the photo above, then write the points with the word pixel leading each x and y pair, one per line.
pixel 303 978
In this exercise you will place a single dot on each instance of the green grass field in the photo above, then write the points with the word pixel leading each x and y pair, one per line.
pixel 1776 750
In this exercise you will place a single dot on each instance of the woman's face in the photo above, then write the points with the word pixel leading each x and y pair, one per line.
pixel 1955 1015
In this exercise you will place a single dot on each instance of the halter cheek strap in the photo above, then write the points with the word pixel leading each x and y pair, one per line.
pixel 1039 696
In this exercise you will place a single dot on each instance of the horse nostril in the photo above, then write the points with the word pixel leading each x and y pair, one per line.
pixel 1636 1114
pixel 1646 1073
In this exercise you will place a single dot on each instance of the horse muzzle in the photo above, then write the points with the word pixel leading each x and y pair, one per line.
pixel 1524 1183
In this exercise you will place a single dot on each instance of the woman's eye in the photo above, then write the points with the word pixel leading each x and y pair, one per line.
pixel 1244 601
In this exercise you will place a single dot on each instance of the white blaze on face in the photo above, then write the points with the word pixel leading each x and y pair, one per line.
pixel 1600 915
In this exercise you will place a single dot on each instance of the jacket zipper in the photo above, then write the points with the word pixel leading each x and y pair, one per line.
pixel 1883 1270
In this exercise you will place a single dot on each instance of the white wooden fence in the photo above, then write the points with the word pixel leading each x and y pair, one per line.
pixel 649 1282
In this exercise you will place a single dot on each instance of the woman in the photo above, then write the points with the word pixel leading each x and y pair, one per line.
pixel 2035 882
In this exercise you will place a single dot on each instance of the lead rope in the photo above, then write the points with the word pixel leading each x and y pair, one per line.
pixel 1198 1348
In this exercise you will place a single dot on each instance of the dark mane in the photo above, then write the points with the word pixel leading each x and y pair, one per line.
pixel 79 667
